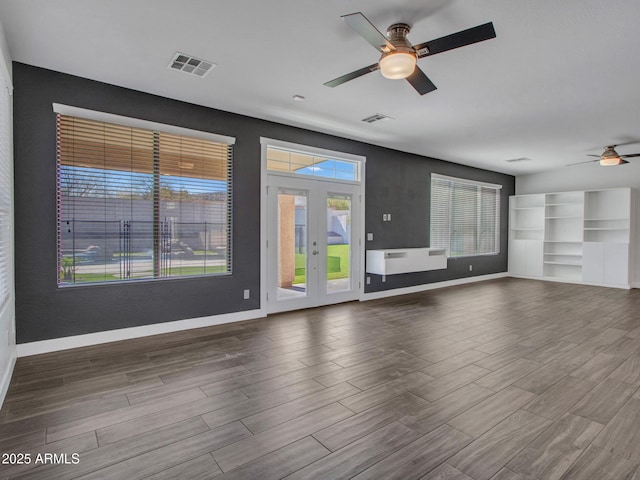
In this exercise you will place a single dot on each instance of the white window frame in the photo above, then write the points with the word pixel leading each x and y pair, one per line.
pixel 357 160
pixel 6 203
pixel 68 110
pixel 266 142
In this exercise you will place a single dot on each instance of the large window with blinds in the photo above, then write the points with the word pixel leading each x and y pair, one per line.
pixel 6 195
pixel 465 216
pixel 139 203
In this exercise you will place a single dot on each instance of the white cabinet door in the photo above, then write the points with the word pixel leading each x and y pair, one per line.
pixel 593 262
pixel 535 258
pixel 525 257
pixel 605 263
pixel 616 264
pixel 518 257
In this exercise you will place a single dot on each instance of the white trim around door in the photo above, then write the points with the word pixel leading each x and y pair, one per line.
pixel 357 188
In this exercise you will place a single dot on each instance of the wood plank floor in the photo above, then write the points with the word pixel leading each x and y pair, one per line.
pixel 504 379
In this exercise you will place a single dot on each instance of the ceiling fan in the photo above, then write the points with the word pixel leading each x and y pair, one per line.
pixel 398 56
pixel 609 157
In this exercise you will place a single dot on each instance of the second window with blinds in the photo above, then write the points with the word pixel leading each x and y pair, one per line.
pixel 465 216
pixel 141 203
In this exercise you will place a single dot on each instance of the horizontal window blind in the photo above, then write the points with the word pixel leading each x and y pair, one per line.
pixel 135 203
pixel 6 189
pixel 465 216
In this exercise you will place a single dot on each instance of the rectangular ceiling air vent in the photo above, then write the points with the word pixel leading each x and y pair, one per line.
pixel 521 159
pixel 191 65
pixel 376 118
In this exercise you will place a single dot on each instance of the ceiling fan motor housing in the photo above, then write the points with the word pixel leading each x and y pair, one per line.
pixel 397 34
pixel 610 152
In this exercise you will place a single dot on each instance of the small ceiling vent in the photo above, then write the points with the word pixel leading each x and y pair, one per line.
pixel 521 159
pixel 191 65
pixel 376 118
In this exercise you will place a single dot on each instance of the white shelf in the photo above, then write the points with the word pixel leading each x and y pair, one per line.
pixel 563 241
pixel 573 277
pixel 564 254
pixel 605 229
pixel 536 235
pixel 563 263
pixel 563 218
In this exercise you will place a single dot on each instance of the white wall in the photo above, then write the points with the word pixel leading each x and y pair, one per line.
pixel 7 311
pixel 592 177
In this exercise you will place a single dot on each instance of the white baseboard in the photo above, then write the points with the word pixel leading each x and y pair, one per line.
pixel 430 286
pixel 6 378
pixel 635 285
pixel 65 343
pixel 575 282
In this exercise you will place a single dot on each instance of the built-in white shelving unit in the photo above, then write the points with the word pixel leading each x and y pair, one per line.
pixel 607 235
pixel 581 236
pixel 563 234
pixel 526 234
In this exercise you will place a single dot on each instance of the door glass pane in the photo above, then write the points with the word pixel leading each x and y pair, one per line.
pixel 338 243
pixel 292 244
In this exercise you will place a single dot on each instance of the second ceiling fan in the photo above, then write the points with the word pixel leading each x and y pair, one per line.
pixel 610 157
pixel 398 56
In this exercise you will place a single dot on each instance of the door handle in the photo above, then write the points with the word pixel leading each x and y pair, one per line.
pixel 315 252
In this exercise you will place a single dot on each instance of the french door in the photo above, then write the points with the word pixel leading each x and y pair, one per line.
pixel 313 247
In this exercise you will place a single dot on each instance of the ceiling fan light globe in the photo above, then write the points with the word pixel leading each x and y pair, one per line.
pixel 610 161
pixel 397 65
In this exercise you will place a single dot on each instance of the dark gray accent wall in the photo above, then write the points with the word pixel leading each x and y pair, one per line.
pixel 400 184
pixel 397 183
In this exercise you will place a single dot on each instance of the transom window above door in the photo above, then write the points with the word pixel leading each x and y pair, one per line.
pixel 299 163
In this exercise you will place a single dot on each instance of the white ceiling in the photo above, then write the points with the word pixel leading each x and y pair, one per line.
pixel 558 82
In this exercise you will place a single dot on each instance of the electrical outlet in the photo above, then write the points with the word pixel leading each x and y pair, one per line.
pixel 369 237
pixel 247 294
pixel 471 268
pixel 368 280
pixel 384 278
pixel 388 217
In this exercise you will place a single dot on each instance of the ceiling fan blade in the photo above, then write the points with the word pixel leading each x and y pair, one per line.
pixel 456 40
pixel 371 34
pixel 421 82
pixel 591 155
pixel 350 76
pixel 631 155
pixel 580 163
